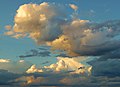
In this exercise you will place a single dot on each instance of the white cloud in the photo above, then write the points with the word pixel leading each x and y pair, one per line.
pixel 64 65
pixel 33 69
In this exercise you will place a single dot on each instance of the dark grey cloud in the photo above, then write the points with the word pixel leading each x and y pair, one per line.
pixel 44 48
pixel 111 55
pixel 67 80
pixel 36 52
pixel 98 49
pixel 110 67
pixel 6 77
pixel 62 55
pixel 102 48
pixel 46 62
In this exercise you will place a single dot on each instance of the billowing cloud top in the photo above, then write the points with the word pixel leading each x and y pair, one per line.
pixel 63 65
pixel 39 22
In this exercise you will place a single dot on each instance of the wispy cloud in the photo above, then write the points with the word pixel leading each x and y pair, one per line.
pixel 36 52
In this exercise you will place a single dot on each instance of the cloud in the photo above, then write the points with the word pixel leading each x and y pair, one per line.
pixel 8 27
pixel 35 52
pixel 111 55
pixel 66 79
pixel 39 22
pixel 64 64
pixel 51 25
pixel 6 77
pixel 48 24
pixel 74 7
pixel 108 67
pixel 83 38
pixel 45 62
pixel 33 69
pixel 14 67
pixel 38 81
pixel 4 60
pixel 101 74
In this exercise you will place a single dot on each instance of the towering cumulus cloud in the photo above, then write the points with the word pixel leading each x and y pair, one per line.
pixel 39 22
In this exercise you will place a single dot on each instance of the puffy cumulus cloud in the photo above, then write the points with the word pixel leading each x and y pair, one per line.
pixel 68 64
pixel 39 22
pixel 64 65
pixel 14 67
pixel 47 23
pixel 33 69
pixel 74 7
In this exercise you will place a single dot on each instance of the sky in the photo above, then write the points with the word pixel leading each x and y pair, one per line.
pixel 60 43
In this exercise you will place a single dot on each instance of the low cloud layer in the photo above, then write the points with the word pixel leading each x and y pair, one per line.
pixel 64 79
pixel 65 72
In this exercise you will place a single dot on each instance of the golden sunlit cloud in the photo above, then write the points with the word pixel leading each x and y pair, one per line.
pixel 33 69
pixel 4 60
pixel 74 7
pixel 52 25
